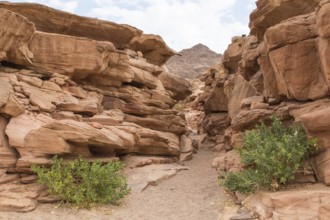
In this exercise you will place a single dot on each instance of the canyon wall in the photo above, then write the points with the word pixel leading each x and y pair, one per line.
pixel 73 86
pixel 282 69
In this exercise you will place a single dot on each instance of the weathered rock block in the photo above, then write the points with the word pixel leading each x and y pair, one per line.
pixel 68 55
pixel 153 48
pixel 218 100
pixel 168 123
pixel 233 54
pixel 323 19
pixel 16 32
pixel 179 87
pixel 9 104
pixel 322 163
pixel 55 21
pixel 317 124
pixel 298 71
pixel 272 12
pixel 304 27
pixel 242 89
pixel 216 123
pixel 300 203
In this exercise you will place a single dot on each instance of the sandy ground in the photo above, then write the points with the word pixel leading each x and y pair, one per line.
pixel 190 195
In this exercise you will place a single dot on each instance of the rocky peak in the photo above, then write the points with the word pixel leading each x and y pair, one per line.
pixel 191 63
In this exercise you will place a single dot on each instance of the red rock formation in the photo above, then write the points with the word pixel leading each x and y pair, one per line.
pixel 85 87
pixel 281 69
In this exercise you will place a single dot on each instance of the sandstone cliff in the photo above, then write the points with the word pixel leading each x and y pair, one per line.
pixel 73 86
pixel 282 68
pixel 193 62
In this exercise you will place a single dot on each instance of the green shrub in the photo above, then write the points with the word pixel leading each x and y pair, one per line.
pixel 82 183
pixel 178 106
pixel 272 156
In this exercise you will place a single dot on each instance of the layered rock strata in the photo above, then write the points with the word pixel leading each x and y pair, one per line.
pixel 73 86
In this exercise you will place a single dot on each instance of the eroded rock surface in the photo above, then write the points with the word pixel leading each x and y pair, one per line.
pixel 307 203
pixel 85 87
pixel 281 69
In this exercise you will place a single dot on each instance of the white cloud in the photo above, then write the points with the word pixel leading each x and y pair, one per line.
pixel 251 6
pixel 182 23
pixel 69 6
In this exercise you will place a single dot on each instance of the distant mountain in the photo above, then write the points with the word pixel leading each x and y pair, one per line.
pixel 192 62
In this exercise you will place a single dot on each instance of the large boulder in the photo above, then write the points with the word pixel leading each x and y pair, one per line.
pixel 215 123
pixel 179 87
pixel 302 203
pixel 153 48
pixel 279 35
pixel 298 71
pixel 168 123
pixel 70 55
pixel 233 54
pixel 317 124
pixel 18 197
pixel 242 89
pixel 217 100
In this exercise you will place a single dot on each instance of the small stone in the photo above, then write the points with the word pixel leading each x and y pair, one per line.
pixel 186 156
pixel 78 92
pixel 58 81
pixel 18 89
pixel 185 144
pixel 33 81
pixel 244 216
pixel 20 95
pixel 273 101
pixel 259 105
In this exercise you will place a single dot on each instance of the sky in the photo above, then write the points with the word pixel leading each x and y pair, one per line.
pixel 181 23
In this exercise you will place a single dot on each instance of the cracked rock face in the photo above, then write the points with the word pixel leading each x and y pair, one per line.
pixel 85 87
pixel 281 69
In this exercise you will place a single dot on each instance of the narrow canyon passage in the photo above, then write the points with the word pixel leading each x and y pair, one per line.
pixel 190 195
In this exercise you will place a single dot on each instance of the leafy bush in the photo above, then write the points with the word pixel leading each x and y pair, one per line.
pixel 272 157
pixel 82 183
pixel 178 106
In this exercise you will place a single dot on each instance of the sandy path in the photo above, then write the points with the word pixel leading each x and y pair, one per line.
pixel 190 195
